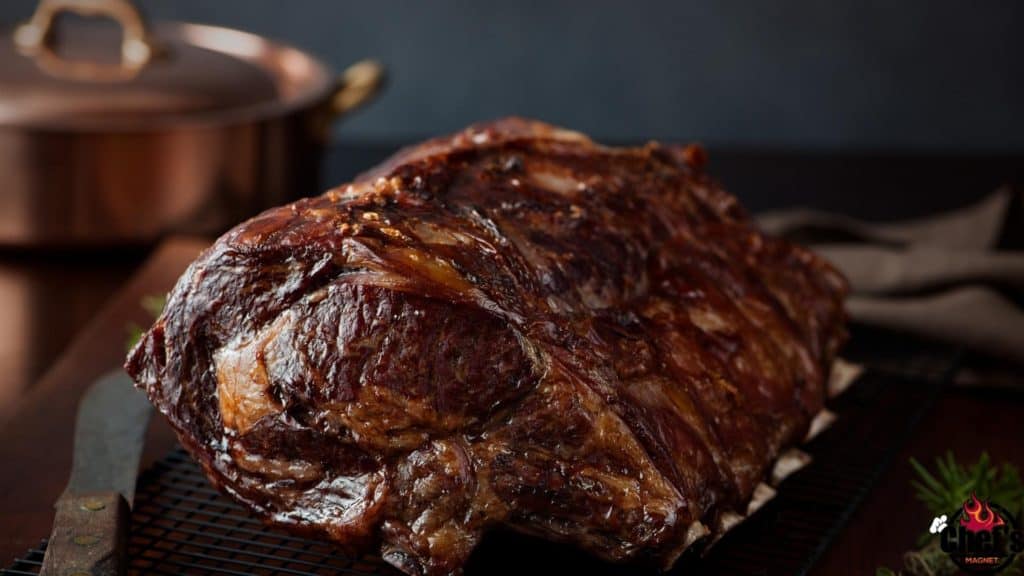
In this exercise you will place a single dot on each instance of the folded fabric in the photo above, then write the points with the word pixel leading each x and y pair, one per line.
pixel 945 277
pixel 975 227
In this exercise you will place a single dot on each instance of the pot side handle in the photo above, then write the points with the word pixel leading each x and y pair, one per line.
pixel 357 85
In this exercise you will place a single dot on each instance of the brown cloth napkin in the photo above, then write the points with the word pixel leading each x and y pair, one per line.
pixel 954 277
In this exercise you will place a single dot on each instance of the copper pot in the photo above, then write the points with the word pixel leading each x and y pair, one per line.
pixel 179 127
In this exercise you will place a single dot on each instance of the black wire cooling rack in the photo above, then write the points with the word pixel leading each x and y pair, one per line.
pixel 181 525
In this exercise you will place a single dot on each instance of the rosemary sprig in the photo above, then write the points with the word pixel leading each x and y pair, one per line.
pixel 153 304
pixel 955 483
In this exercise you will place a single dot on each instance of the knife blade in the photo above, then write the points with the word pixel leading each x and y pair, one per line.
pixel 90 528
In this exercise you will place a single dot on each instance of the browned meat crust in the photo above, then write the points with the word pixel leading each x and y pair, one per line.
pixel 512 326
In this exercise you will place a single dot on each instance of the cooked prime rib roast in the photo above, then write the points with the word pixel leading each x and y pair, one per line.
pixel 510 327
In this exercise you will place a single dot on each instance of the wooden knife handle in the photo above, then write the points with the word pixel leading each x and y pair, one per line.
pixel 90 534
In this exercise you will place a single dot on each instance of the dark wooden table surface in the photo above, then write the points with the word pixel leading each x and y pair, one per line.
pixel 61 325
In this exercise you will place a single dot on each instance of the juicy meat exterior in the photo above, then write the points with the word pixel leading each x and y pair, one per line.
pixel 509 327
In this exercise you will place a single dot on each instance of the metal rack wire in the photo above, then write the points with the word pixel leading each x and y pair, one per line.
pixel 181 525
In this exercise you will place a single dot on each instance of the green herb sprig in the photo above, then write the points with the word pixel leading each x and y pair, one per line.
pixel 153 304
pixel 954 483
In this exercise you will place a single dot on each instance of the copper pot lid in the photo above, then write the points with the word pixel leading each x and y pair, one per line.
pixel 81 76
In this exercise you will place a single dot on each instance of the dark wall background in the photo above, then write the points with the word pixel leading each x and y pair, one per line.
pixel 910 74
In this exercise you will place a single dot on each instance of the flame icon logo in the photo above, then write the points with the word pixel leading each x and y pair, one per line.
pixel 978 517
pixel 980 537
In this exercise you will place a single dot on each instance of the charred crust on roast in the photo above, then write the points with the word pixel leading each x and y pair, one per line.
pixel 511 327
